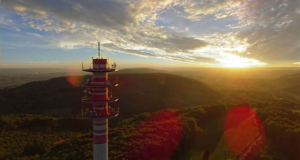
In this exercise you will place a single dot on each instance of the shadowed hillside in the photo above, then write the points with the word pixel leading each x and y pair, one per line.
pixel 139 92
pixel 144 92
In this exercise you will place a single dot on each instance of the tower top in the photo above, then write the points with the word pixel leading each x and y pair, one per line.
pixel 99 55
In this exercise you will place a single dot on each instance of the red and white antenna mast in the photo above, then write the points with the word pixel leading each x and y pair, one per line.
pixel 96 93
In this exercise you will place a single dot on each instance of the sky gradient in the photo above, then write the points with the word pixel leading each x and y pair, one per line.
pixel 150 33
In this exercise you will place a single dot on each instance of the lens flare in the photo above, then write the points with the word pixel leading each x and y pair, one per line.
pixel 243 132
pixel 75 81
pixel 161 134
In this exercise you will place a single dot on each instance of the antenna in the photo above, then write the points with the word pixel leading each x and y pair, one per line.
pixel 100 111
pixel 99 50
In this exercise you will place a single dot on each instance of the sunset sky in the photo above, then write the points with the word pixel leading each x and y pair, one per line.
pixel 150 33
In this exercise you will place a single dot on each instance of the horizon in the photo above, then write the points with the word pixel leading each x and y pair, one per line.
pixel 168 67
pixel 139 34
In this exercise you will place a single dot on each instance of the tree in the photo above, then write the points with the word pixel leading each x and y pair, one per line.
pixel 33 148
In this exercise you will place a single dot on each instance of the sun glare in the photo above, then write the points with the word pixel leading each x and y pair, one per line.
pixel 235 61
pixel 236 65
pixel 242 127
pixel 75 81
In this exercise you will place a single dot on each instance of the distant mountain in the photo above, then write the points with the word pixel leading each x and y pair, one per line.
pixel 13 77
pixel 136 92
pixel 18 71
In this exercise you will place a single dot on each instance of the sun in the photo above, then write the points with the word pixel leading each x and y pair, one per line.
pixel 235 61
pixel 236 65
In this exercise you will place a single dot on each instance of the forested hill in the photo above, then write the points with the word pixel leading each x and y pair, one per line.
pixel 290 83
pixel 291 76
pixel 136 92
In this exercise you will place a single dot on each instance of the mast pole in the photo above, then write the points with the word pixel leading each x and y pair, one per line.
pixel 99 55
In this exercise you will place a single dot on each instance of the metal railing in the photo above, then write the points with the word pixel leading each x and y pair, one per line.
pixel 97 114
pixel 89 98
pixel 92 67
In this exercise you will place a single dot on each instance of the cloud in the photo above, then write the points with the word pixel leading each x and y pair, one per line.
pixel 104 14
pixel 171 42
pixel 165 56
pixel 204 59
pixel 269 28
pixel 130 51
pixel 36 35
pixel 7 23
pixel 250 31
pixel 195 9
pixel 274 35
pixel 108 20
pixel 178 43
pixel 44 62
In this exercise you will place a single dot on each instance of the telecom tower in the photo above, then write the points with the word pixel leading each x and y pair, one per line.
pixel 96 93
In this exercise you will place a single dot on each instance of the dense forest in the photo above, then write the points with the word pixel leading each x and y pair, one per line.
pixel 162 117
